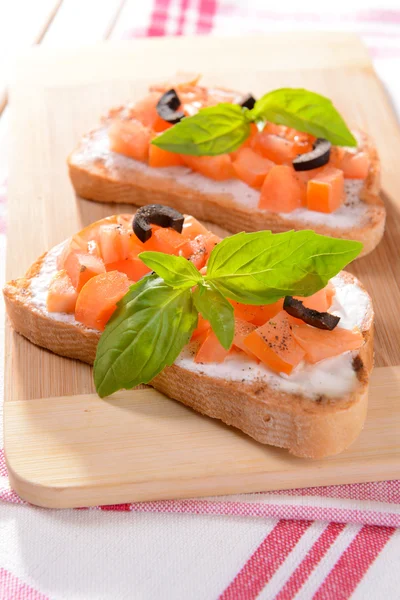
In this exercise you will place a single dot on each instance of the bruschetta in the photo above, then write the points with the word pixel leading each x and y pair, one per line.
pixel 253 188
pixel 283 380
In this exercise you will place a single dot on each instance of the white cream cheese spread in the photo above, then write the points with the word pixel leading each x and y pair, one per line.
pixel 96 149
pixel 333 376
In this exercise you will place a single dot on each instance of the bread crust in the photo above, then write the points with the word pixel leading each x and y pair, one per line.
pixel 306 427
pixel 101 179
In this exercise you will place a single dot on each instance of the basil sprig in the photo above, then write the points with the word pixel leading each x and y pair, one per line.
pixel 305 111
pixel 176 271
pixel 213 130
pixel 262 267
pixel 223 128
pixel 151 325
pixel 215 308
pixel 156 318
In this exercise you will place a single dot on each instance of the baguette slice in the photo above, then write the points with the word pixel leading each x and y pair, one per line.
pixel 307 423
pixel 99 174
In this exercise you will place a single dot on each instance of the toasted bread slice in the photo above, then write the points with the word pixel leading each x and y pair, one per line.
pixel 317 413
pixel 99 174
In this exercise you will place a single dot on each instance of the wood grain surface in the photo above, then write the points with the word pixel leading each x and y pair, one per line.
pixel 57 96
pixel 139 445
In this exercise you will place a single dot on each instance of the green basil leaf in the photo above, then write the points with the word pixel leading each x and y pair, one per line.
pixel 305 111
pixel 218 311
pixel 213 130
pixel 151 325
pixel 261 268
pixel 178 272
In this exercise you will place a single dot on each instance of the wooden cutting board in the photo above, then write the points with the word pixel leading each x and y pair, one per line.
pixel 66 447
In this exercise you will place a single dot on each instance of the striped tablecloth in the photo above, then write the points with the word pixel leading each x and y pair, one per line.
pixel 326 543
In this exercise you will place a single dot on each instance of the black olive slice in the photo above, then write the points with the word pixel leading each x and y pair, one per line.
pixel 167 107
pixel 248 102
pixel 318 157
pixel 164 216
pixel 321 320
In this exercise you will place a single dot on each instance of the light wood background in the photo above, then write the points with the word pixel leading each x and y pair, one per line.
pixel 55 98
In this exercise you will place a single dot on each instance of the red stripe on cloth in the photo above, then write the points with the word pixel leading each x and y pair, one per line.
pixel 8 495
pixel 293 511
pixel 3 466
pixel 158 18
pixel 354 563
pixel 263 563
pixel 207 10
pixel 12 588
pixel 312 559
pixel 378 491
pixel 121 507
pixel 184 5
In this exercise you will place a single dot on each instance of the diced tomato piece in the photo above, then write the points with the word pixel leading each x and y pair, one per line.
pixel 91 232
pixel 202 327
pixel 62 295
pixel 192 228
pixel 114 243
pixel 160 125
pixel 336 156
pixel 135 246
pixel 321 300
pixel 247 143
pixel 165 239
pixel 134 268
pixel 317 301
pixel 282 191
pixel 305 176
pixel 211 240
pixel 273 147
pixel 72 246
pixel 211 351
pixel 242 330
pixel 215 167
pixel 199 249
pixel 130 138
pixel 319 344
pixel 302 142
pixel 93 248
pixel 162 240
pixel 274 129
pixel 162 158
pixel 274 344
pixel 98 299
pixel 325 193
pixel 301 147
pixel 145 110
pixel 299 137
pixel 221 95
pixel 82 267
pixel 196 251
pixel 251 168
pixel 258 315
pixel 330 293
pixel 355 166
